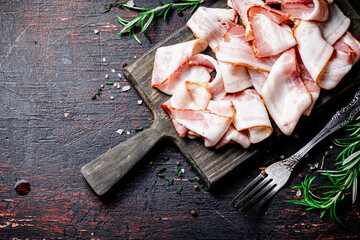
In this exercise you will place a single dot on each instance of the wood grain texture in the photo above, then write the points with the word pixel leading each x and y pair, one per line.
pixel 50 65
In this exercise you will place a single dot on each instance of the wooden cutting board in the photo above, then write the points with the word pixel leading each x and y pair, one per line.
pixel 211 165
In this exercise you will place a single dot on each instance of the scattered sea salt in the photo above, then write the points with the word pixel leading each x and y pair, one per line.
pixel 127 132
pixel 119 75
pixel 298 193
pixel 316 165
pixel 135 57
pixel 106 76
pixel 112 98
pixel 120 131
pixel 331 147
pixel 130 3
pixel 104 59
pixel 102 86
pixel 113 70
pixel 140 102
pixel 118 86
pixel 282 157
pixel 125 88
pixel 183 170
pixel 96 31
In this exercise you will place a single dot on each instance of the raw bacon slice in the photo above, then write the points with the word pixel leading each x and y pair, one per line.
pixel 232 135
pixel 338 66
pixel 208 125
pixel 191 95
pixel 284 93
pixel 314 91
pixel 234 49
pixel 269 37
pixel 335 26
pixel 216 85
pixel 258 79
pixel 350 40
pixel 235 77
pixel 315 52
pixel 171 59
pixel 251 115
pixel 212 23
pixel 316 10
pixel 311 86
pixel 223 107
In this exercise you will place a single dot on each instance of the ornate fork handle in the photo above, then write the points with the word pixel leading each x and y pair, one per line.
pixel 339 120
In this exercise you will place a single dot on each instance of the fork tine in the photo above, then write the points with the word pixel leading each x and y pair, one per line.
pixel 267 197
pixel 252 193
pixel 247 188
pixel 254 199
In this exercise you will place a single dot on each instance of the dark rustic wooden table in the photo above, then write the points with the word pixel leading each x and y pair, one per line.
pixel 51 62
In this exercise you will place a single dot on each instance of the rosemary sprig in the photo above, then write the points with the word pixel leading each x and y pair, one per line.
pixel 146 16
pixel 345 177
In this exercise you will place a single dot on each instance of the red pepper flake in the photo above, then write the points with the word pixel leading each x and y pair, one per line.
pixel 22 187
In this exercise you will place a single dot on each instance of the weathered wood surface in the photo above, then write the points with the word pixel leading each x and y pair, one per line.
pixel 50 64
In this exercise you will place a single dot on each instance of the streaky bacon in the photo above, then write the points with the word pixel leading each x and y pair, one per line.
pixel 211 127
pixel 338 66
pixel 310 84
pixel 285 94
pixel 235 49
pixel 232 135
pixel 235 77
pixel 315 10
pixel 351 41
pixel 258 79
pixel 170 60
pixel 212 23
pixel 216 85
pixel 315 52
pixel 251 115
pixel 335 26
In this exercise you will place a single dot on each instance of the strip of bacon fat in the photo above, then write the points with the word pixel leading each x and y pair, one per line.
pixel 234 49
pixel 258 79
pixel 251 115
pixel 208 125
pixel 235 77
pixel 232 135
pixel 335 26
pixel 315 10
pixel 315 52
pixel 338 66
pixel 216 85
pixel 284 93
pixel 212 23
pixel 269 37
pixel 171 60
pixel 350 40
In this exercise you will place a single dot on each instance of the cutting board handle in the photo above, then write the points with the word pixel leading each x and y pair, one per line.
pixel 103 172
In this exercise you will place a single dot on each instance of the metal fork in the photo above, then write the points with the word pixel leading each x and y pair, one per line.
pixel 274 177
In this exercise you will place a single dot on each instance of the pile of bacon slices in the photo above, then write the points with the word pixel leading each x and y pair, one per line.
pixel 286 55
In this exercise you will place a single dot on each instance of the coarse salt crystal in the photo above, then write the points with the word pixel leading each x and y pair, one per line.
pixel 113 70
pixel 119 75
pixel 125 88
pixel 135 57
pixel 331 147
pixel 316 165
pixel 120 131
pixel 96 31
pixel 127 132
pixel 106 76
pixel 182 170
pixel 104 59
pixel 118 86
pixel 298 193
pixel 112 98
pixel 130 3
pixel 282 157
pixel 140 102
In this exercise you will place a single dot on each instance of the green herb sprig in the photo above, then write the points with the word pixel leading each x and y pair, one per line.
pixel 344 178
pixel 146 16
